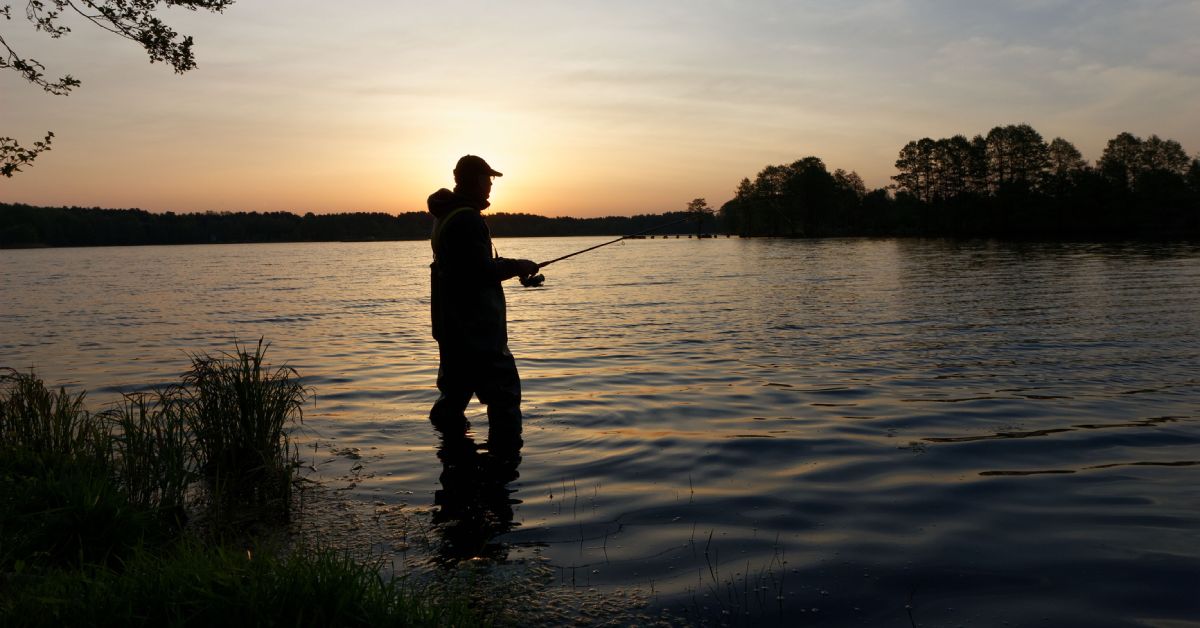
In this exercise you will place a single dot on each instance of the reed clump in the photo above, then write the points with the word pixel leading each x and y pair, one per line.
pixel 94 510
pixel 42 423
pixel 63 499
pixel 239 412
pixel 151 452
pixel 216 443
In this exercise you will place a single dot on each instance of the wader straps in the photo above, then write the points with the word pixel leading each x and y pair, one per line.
pixel 441 225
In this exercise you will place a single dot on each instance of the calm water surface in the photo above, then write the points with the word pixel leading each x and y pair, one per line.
pixel 864 432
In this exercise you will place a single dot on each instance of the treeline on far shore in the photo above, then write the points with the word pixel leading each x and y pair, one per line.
pixel 1009 183
pixel 30 226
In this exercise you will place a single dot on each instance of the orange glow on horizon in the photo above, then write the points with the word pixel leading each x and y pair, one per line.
pixel 588 109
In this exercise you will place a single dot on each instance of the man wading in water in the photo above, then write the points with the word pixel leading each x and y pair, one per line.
pixel 468 310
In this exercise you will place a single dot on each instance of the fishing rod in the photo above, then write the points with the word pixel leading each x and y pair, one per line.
pixel 533 281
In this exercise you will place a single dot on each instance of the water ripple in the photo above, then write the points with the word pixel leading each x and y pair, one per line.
pixel 1007 431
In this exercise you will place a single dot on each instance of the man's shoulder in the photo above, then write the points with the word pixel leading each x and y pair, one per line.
pixel 461 217
pixel 462 224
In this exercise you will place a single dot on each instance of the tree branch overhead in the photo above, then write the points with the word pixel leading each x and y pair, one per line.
pixel 135 20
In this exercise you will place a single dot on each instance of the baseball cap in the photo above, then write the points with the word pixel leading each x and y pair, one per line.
pixel 470 165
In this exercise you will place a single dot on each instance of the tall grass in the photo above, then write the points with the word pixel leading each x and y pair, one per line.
pixel 194 585
pixel 92 510
pixel 151 453
pixel 226 423
pixel 239 411
pixel 40 422
pixel 61 501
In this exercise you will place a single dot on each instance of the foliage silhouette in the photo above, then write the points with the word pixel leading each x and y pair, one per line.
pixel 1009 183
pixel 135 20
pixel 92 517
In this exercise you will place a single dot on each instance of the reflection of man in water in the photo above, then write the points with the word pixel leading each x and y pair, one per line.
pixel 474 504
pixel 467 302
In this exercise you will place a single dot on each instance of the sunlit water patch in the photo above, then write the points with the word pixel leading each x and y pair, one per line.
pixel 836 432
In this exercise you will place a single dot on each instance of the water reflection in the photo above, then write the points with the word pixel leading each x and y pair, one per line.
pixel 475 503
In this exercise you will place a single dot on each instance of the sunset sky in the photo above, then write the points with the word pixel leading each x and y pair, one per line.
pixel 588 107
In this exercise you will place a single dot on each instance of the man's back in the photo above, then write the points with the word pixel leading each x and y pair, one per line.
pixel 467 300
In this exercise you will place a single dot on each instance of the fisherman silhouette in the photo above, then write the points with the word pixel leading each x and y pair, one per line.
pixel 468 309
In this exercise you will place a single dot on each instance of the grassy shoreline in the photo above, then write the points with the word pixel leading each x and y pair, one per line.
pixel 167 508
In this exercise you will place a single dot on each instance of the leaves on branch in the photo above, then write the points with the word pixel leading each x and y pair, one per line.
pixel 44 19
pixel 13 155
pixel 135 20
pixel 31 70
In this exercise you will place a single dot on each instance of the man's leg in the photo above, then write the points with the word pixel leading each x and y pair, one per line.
pixel 454 385
pixel 500 390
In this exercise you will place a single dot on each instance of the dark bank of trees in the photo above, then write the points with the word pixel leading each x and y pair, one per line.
pixel 1008 183
pixel 800 199
pixel 25 225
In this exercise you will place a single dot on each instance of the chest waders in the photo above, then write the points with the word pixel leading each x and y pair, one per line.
pixel 490 375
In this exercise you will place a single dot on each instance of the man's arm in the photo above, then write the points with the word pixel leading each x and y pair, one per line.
pixel 466 253
pixel 516 267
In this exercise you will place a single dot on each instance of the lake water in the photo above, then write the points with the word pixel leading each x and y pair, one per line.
pixel 832 432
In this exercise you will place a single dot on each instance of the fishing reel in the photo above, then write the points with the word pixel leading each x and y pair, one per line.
pixel 532 281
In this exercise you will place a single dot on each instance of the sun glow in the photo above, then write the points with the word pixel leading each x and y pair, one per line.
pixel 587 108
